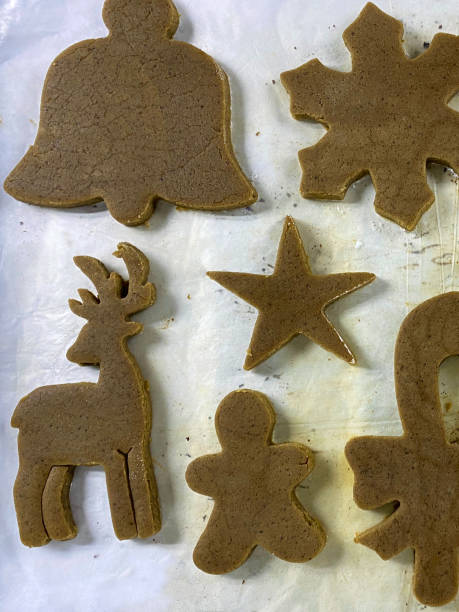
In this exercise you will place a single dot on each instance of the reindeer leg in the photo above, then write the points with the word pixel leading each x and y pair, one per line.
pixel 57 513
pixel 119 496
pixel 28 493
pixel 144 491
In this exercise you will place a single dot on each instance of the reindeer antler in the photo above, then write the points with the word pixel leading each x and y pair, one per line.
pixel 108 286
pixel 140 294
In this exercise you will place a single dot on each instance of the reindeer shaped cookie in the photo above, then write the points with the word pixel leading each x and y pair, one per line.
pixel 419 469
pixel 252 482
pixel 106 423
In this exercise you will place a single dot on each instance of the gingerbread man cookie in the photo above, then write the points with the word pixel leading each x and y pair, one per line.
pixel 131 118
pixel 292 300
pixel 388 117
pixel 252 482
pixel 419 469
pixel 107 423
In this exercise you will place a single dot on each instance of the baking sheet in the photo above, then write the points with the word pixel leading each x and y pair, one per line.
pixel 196 334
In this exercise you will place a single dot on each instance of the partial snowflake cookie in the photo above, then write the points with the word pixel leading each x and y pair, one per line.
pixel 419 469
pixel 387 117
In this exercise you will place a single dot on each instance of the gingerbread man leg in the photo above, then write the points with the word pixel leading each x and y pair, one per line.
pixel 223 546
pixel 297 537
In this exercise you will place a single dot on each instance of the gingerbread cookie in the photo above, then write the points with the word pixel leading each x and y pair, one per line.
pixel 292 300
pixel 107 423
pixel 132 118
pixel 386 117
pixel 252 482
pixel 419 469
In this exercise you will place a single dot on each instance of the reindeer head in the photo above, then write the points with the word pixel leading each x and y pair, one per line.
pixel 108 313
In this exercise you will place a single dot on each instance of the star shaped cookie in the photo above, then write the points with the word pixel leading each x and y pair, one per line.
pixel 292 300
pixel 387 117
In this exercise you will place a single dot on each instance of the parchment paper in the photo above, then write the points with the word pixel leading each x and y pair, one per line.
pixel 196 335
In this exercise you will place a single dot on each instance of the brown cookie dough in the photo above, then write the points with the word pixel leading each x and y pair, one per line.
pixel 252 482
pixel 292 300
pixel 388 117
pixel 419 469
pixel 107 423
pixel 132 118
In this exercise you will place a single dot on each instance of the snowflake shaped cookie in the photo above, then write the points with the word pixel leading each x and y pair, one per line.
pixel 387 117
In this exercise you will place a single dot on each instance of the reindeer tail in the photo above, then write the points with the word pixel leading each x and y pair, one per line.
pixel 21 411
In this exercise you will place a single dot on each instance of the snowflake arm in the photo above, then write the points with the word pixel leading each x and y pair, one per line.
pixel 440 62
pixel 373 39
pixel 329 168
pixel 314 90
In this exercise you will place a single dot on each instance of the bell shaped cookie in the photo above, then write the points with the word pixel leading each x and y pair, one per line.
pixel 131 118
pixel 420 469
pixel 387 117
pixel 252 482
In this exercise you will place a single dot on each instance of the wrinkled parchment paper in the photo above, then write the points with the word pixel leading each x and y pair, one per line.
pixel 196 334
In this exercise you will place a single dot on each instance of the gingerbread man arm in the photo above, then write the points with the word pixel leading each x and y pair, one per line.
pixel 290 463
pixel 224 544
pixel 202 474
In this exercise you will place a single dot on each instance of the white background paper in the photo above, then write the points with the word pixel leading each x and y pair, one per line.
pixel 192 350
